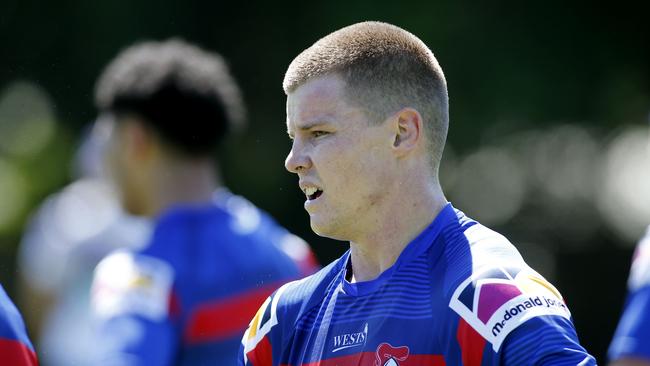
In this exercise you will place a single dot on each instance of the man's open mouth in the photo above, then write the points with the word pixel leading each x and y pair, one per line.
pixel 312 193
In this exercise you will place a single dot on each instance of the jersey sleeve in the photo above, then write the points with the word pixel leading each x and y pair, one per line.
pixel 15 346
pixel 513 316
pixel 545 340
pixel 51 249
pixel 262 343
pixel 44 251
pixel 132 300
pixel 633 330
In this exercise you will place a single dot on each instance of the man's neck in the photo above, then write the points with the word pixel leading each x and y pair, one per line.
pixel 380 249
pixel 183 183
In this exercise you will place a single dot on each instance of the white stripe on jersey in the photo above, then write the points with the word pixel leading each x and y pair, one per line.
pixel 262 330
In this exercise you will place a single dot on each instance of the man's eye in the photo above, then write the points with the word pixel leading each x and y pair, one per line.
pixel 318 133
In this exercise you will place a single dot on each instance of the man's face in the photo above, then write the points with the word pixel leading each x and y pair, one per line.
pixel 343 161
pixel 121 165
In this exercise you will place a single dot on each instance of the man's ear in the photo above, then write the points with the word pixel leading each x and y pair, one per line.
pixel 408 131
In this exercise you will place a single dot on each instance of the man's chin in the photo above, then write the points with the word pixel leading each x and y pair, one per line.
pixel 326 230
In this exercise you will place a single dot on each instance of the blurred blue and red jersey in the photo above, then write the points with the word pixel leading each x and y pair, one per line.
pixel 459 294
pixel 15 347
pixel 632 337
pixel 186 298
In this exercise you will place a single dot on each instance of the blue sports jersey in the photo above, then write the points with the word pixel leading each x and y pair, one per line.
pixel 15 347
pixel 633 331
pixel 186 299
pixel 459 294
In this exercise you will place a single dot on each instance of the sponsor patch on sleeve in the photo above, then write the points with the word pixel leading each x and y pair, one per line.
pixel 495 301
pixel 132 284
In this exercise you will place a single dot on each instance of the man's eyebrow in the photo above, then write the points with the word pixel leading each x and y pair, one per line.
pixel 307 126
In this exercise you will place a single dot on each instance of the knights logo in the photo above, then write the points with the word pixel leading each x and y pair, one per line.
pixel 387 355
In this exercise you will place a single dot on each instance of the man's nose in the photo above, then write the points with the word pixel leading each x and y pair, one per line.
pixel 297 160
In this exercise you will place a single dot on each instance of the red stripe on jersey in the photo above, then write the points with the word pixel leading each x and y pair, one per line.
pixel 370 358
pixel 16 353
pixel 262 354
pixel 225 318
pixel 471 344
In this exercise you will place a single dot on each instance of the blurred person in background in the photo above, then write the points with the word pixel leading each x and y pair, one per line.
pixel 631 343
pixel 15 347
pixel 186 298
pixel 367 113
pixel 65 239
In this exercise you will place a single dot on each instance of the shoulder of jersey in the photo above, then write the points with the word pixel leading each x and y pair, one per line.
pixel 501 291
pixel 640 270
pixel 298 296
pixel 11 323
pixel 178 228
pixel 244 216
pixel 133 284
pixel 13 334
pixel 285 306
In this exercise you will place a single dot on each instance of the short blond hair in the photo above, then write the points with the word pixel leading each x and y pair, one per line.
pixel 385 69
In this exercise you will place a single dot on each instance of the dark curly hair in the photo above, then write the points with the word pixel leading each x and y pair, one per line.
pixel 182 92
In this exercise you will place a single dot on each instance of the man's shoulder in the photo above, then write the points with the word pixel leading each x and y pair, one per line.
pixel 185 231
pixel 226 219
pixel 12 327
pixel 496 291
pixel 280 313
pixel 10 319
pixel 488 247
pixel 470 247
pixel 467 241
pixel 299 296
pixel 293 300
pixel 247 222
pixel 496 300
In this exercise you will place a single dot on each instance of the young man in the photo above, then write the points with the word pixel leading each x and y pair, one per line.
pixel 15 347
pixel 631 346
pixel 213 257
pixel 69 233
pixel 422 284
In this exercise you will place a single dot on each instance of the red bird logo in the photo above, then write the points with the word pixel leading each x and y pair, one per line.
pixel 387 355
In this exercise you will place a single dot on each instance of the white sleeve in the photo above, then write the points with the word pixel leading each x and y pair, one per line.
pixel 640 270
pixel 43 252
